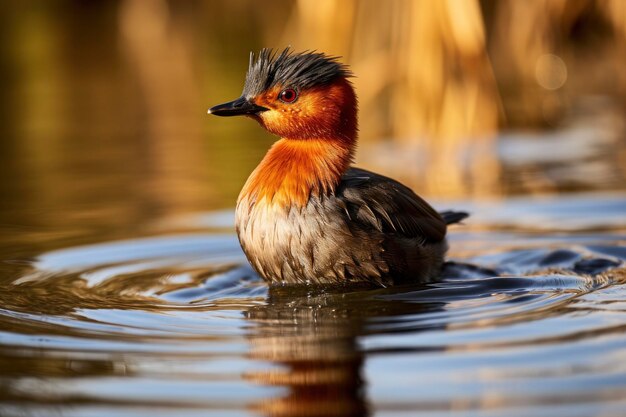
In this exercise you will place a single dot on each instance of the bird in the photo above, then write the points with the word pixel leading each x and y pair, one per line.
pixel 305 215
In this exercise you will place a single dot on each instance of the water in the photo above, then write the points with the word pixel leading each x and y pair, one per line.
pixel 528 320
pixel 123 291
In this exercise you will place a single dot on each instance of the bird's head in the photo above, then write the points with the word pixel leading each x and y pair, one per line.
pixel 297 96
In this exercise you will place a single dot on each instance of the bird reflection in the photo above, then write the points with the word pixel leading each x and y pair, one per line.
pixel 312 336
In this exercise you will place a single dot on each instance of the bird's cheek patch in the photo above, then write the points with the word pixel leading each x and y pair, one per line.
pixel 273 121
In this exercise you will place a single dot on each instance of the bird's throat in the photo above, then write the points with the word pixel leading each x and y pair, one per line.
pixel 294 170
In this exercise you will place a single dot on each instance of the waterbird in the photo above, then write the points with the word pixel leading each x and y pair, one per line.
pixel 305 215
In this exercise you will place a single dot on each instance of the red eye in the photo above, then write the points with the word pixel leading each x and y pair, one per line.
pixel 288 96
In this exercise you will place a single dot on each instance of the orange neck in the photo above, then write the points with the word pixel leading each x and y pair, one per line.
pixel 295 169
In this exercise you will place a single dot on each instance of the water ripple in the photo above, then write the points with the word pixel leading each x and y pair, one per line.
pixel 185 317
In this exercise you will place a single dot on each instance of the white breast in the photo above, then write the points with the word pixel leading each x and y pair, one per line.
pixel 313 244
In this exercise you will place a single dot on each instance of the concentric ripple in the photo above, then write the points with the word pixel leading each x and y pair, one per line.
pixel 181 326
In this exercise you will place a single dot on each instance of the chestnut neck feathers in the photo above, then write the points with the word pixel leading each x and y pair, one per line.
pixel 294 170
pixel 318 130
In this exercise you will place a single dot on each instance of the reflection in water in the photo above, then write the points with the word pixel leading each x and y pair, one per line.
pixel 313 342
pixel 312 335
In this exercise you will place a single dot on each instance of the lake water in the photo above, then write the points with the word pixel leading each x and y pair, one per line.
pixel 112 307
pixel 123 290
pixel 526 321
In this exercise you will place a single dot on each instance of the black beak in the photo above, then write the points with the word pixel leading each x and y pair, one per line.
pixel 238 107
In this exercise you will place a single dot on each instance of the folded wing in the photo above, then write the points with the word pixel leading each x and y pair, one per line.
pixel 376 201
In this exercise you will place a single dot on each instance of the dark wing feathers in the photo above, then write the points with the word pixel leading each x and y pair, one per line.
pixel 390 207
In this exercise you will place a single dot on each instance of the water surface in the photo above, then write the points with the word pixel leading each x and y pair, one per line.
pixel 526 320
pixel 123 291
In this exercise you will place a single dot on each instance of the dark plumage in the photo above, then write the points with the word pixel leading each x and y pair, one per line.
pixel 306 216
pixel 389 207
pixel 300 70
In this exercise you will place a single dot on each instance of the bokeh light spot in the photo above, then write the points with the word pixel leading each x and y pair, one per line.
pixel 550 71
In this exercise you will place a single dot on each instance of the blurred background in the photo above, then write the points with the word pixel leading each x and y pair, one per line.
pixel 104 121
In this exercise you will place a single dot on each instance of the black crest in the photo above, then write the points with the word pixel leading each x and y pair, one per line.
pixel 300 70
